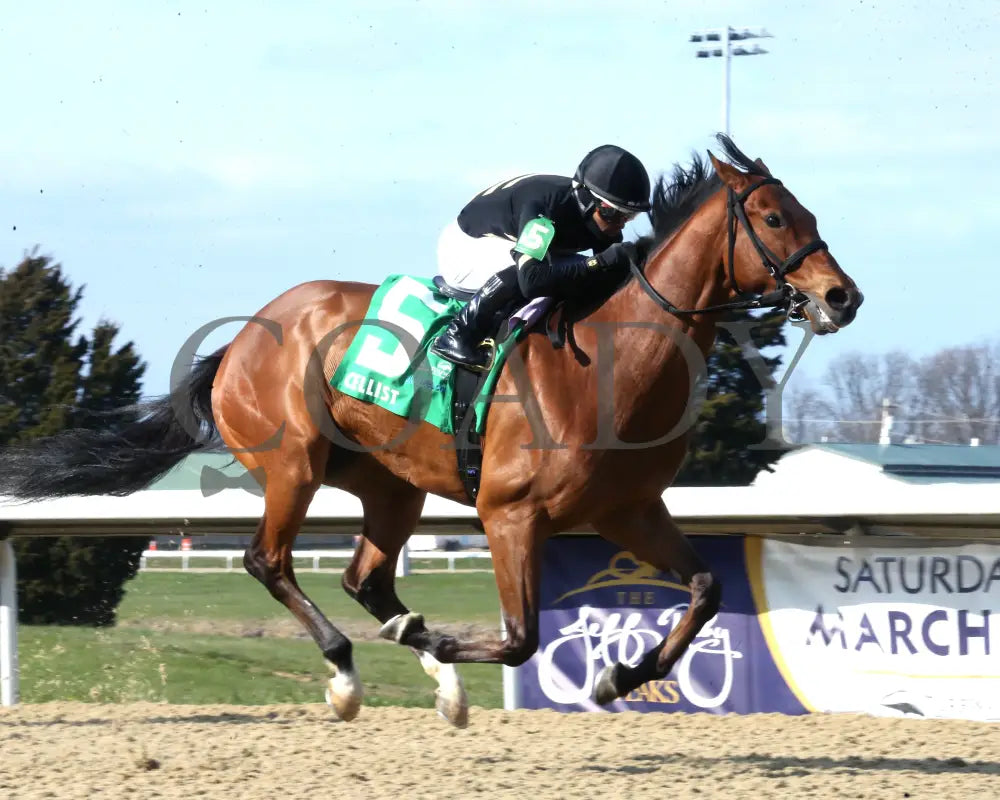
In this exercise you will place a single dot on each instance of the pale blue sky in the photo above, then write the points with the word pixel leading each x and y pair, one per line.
pixel 188 161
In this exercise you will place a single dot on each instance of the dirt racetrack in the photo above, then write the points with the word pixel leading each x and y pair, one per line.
pixel 67 750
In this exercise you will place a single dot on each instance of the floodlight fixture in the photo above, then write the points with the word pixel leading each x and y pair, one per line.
pixel 726 36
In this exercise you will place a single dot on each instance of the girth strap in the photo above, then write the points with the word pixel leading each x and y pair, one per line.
pixel 468 444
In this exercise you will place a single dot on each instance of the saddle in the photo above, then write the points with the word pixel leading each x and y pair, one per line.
pixel 377 368
pixel 453 292
pixel 466 387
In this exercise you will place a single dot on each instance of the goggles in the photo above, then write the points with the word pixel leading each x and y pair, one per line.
pixel 611 214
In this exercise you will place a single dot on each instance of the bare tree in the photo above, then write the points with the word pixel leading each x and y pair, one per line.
pixel 808 417
pixel 859 383
pixel 952 396
pixel 959 394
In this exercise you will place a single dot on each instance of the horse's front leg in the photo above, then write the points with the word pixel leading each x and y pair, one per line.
pixel 516 538
pixel 652 536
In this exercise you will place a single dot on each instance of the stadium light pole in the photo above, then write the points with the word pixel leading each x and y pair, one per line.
pixel 718 43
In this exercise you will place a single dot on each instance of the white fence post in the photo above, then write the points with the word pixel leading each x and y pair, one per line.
pixel 403 562
pixel 509 676
pixel 8 625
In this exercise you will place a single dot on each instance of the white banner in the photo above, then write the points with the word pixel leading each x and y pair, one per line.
pixel 885 630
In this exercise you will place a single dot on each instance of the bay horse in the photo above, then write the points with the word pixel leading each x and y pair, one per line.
pixel 723 237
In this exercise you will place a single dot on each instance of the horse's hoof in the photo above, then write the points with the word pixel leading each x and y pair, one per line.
pixel 606 689
pixel 453 709
pixel 344 694
pixel 396 629
pixel 451 701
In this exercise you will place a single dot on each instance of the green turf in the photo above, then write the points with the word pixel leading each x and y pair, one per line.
pixel 443 597
pixel 120 666
pixel 146 657
pixel 305 564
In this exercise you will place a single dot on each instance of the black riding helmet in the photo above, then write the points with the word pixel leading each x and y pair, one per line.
pixel 615 176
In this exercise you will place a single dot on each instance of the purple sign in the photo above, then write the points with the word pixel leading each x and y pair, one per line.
pixel 600 605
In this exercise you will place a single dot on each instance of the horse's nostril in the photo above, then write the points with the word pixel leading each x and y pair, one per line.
pixel 838 298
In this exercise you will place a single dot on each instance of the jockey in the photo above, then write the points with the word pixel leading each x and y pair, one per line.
pixel 542 223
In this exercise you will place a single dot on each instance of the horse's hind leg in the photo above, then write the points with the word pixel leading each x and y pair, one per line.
pixel 389 518
pixel 652 536
pixel 290 486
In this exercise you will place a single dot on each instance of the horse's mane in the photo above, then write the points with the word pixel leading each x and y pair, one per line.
pixel 674 201
pixel 677 198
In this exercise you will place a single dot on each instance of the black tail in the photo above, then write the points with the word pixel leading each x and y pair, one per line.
pixel 137 445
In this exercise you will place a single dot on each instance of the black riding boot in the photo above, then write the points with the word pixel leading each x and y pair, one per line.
pixel 461 342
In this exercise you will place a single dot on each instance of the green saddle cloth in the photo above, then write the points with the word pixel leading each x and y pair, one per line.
pixel 389 364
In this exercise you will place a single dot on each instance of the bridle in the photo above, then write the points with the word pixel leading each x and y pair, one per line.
pixel 784 295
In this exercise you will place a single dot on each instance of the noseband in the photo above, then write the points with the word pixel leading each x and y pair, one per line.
pixel 784 294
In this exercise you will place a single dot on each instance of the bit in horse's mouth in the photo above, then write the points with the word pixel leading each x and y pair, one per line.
pixel 821 321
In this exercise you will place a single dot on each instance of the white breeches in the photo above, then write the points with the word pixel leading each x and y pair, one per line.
pixel 466 262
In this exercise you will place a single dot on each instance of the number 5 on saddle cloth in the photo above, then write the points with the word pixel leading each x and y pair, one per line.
pixel 389 365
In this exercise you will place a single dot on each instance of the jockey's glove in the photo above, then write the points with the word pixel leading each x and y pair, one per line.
pixel 618 256
pixel 572 275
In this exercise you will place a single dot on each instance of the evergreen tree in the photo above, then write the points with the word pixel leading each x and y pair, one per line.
pixel 114 377
pixel 40 355
pixel 53 378
pixel 732 417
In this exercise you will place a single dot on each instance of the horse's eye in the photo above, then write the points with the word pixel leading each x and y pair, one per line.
pixel 773 221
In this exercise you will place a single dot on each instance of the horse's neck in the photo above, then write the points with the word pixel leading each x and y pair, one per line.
pixel 685 270
pixel 648 339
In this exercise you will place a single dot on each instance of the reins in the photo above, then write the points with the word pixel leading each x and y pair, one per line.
pixel 784 295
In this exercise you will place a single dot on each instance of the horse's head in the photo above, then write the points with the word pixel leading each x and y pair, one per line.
pixel 773 240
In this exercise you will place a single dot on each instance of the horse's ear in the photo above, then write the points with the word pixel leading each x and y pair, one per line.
pixel 732 177
pixel 763 167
